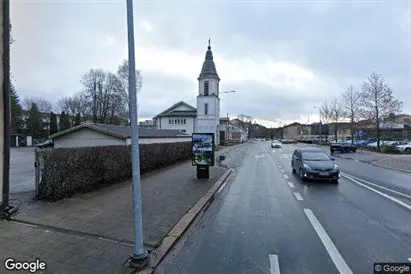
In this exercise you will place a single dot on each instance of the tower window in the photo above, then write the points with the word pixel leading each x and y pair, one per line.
pixel 206 88
pixel 218 88
pixel 206 108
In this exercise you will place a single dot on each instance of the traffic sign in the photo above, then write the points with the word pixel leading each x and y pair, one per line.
pixel 361 133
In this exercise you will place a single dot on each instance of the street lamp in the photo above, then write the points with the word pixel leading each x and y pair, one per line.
pixel 319 125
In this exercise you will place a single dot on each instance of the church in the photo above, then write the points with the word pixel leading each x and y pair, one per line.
pixel 205 118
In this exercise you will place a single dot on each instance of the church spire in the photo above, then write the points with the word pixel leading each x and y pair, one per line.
pixel 208 70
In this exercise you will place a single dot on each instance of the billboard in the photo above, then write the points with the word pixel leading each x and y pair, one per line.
pixel 203 149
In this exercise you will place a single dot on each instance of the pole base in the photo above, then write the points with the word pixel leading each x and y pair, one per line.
pixel 138 264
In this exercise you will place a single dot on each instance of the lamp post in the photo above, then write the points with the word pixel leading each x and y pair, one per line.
pixel 319 125
pixel 140 255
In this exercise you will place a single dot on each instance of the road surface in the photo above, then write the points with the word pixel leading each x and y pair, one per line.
pixel 266 220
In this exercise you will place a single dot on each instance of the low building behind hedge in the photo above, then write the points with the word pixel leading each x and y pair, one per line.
pixel 62 172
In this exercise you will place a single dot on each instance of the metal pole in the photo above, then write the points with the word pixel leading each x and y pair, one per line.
pixel 6 106
pixel 319 110
pixel 139 252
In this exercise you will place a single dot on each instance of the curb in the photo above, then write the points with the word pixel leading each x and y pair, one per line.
pixel 158 254
pixel 391 168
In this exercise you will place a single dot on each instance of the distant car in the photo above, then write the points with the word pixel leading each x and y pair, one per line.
pixel 276 144
pixel 292 141
pixel 343 147
pixel 46 144
pixel 404 147
pixel 314 163
pixel 284 141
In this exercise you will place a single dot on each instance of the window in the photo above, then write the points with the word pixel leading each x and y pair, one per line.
pixel 218 88
pixel 206 88
pixel 183 130
pixel 178 121
pixel 175 121
pixel 206 108
pixel 184 121
pixel 170 121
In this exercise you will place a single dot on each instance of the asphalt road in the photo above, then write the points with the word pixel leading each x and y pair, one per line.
pixel 266 220
pixel 22 172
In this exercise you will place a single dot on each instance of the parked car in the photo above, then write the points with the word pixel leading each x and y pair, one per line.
pixel 284 141
pixel 46 144
pixel 276 144
pixel 404 147
pixel 343 147
pixel 314 163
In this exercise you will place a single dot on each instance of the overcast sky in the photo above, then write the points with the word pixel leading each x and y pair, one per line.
pixel 282 57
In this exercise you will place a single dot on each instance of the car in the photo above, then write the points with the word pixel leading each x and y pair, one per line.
pixel 314 163
pixel 276 144
pixel 343 147
pixel 46 144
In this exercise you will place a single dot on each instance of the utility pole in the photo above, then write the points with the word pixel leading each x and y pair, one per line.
pixel 5 110
pixel 319 112
pixel 140 255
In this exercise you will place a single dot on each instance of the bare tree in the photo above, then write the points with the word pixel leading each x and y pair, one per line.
pixel 325 111
pixel 336 113
pixel 104 95
pixel 378 101
pixel 122 73
pixel 74 105
pixel 351 108
pixel 43 105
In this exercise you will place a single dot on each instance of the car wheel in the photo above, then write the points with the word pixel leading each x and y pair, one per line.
pixel 408 149
pixel 292 167
pixel 354 150
pixel 335 181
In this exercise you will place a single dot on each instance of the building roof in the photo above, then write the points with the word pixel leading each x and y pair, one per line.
pixel 124 132
pixel 192 111
pixel 208 70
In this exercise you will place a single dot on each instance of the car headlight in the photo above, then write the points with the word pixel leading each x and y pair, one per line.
pixel 335 167
pixel 307 167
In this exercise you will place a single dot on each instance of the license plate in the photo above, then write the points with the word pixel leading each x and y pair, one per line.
pixel 324 173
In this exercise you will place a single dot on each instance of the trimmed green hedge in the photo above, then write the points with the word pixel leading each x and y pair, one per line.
pixel 67 171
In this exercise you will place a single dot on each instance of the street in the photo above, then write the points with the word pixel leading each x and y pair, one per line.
pixel 266 220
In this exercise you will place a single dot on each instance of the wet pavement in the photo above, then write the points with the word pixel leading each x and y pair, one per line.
pixel 266 214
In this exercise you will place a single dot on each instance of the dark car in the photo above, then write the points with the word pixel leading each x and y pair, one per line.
pixel 314 163
pixel 343 147
pixel 46 144
pixel 284 141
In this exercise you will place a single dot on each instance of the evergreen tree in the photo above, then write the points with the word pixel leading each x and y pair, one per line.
pixel 53 124
pixel 35 124
pixel 16 110
pixel 77 120
pixel 64 121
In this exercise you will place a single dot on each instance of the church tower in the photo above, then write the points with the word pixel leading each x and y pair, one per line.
pixel 208 100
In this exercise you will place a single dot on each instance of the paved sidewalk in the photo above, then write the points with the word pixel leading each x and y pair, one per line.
pixel 106 215
pixel 62 252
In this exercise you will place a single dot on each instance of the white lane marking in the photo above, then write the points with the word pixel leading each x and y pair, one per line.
pixel 409 259
pixel 369 183
pixel 285 176
pixel 379 192
pixel 279 166
pixel 290 184
pixel 282 170
pixel 298 196
pixel 274 265
pixel 328 244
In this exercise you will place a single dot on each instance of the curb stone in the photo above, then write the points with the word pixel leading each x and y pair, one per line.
pixel 158 254
pixel 392 168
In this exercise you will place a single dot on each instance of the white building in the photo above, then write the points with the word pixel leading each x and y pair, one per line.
pixel 92 135
pixel 208 100
pixel 181 116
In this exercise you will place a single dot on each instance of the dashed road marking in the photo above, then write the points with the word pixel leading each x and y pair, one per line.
pixel 274 265
pixel 282 170
pixel 328 244
pixel 285 176
pixel 298 196
pixel 290 184
pixel 409 259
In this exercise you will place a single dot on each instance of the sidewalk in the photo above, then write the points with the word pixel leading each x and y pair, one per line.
pixel 105 217
pixel 399 162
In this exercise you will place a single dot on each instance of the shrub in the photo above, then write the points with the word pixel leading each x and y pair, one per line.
pixel 66 171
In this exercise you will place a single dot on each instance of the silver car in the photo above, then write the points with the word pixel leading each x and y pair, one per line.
pixel 276 144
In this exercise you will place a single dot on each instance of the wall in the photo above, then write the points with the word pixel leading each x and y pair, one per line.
pixel 87 138
pixel 189 127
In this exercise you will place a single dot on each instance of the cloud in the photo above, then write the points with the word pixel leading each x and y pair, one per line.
pixel 283 60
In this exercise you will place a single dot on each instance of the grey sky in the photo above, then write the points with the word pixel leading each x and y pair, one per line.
pixel 282 58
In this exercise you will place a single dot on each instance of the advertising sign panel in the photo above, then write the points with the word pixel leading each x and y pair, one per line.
pixel 203 149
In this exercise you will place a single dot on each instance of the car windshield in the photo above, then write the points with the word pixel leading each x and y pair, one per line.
pixel 315 156
pixel 275 141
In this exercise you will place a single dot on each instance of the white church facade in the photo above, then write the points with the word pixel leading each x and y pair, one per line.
pixel 206 117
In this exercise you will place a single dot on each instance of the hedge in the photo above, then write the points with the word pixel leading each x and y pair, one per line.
pixel 67 171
